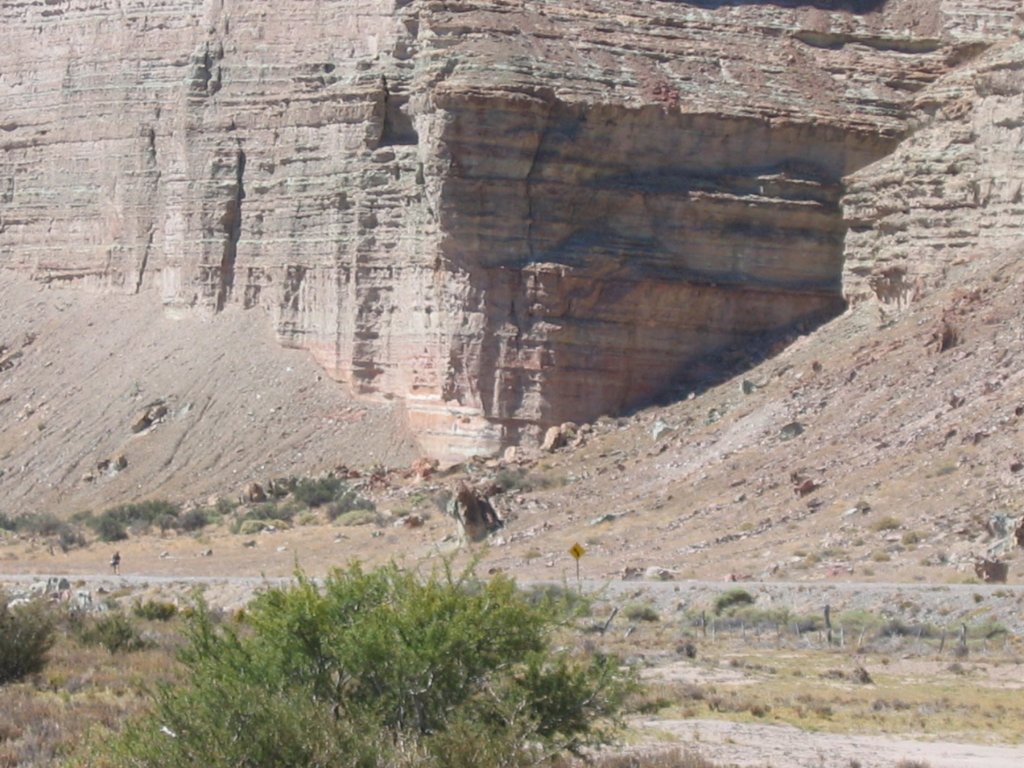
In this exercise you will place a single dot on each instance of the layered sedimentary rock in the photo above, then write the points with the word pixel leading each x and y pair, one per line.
pixel 952 192
pixel 507 214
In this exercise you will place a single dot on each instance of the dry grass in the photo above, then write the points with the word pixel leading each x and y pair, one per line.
pixel 83 692
pixel 897 684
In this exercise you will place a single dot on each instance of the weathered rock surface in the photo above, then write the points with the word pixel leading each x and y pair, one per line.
pixel 507 214
pixel 954 190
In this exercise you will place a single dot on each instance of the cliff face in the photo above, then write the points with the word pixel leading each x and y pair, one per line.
pixel 506 214
pixel 952 192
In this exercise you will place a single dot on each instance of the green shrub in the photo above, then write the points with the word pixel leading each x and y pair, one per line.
pixel 193 520
pixel 752 615
pixel 109 529
pixel 69 537
pixel 8 523
pixel 250 527
pixel 358 517
pixel 377 669
pixel 513 479
pixel 640 612
pixel 275 513
pixel 114 631
pixel 989 628
pixel 42 524
pixel 26 635
pixel 732 598
pixel 317 492
pixel 349 501
pixel 858 620
pixel 154 610
pixel 113 524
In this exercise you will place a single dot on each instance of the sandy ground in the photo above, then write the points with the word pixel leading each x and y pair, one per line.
pixel 781 746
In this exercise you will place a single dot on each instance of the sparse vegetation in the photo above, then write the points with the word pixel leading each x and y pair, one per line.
pixel 113 631
pixel 154 610
pixel 910 538
pixel 887 523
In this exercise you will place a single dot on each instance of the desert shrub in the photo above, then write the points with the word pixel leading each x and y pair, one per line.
pixel 42 524
pixel 272 513
pixel 114 631
pixel 193 520
pixel 900 628
pixel 8 523
pixel 358 517
pixel 109 529
pixel 166 523
pixel 249 527
pixel 988 629
pixel 317 492
pixel 69 537
pixel 751 615
pixel 570 601
pixel 858 620
pixel 640 612
pixel 808 623
pixel 887 523
pixel 732 598
pixel 26 635
pixel 154 610
pixel 910 538
pixel 513 479
pixel 347 501
pixel 113 524
pixel 373 669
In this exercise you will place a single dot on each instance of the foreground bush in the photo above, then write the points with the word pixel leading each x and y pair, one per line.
pixel 26 635
pixel 377 669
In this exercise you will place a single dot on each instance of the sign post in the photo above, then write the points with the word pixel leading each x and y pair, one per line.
pixel 577 552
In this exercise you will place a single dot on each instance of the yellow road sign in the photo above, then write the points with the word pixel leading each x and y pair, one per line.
pixel 577 551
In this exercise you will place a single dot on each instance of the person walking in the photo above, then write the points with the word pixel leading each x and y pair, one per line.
pixel 115 563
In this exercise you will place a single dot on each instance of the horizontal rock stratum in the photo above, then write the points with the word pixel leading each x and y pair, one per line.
pixel 505 214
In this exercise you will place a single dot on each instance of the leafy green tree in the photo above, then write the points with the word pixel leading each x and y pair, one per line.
pixel 379 669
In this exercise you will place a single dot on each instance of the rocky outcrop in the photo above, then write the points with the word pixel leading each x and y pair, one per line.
pixel 953 191
pixel 506 214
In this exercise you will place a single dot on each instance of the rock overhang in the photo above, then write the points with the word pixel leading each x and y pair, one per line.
pixel 507 215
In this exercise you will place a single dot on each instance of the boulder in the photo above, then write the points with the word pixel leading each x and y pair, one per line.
pixel 473 514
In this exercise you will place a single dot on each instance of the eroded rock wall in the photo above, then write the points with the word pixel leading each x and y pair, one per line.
pixel 507 214
pixel 952 192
